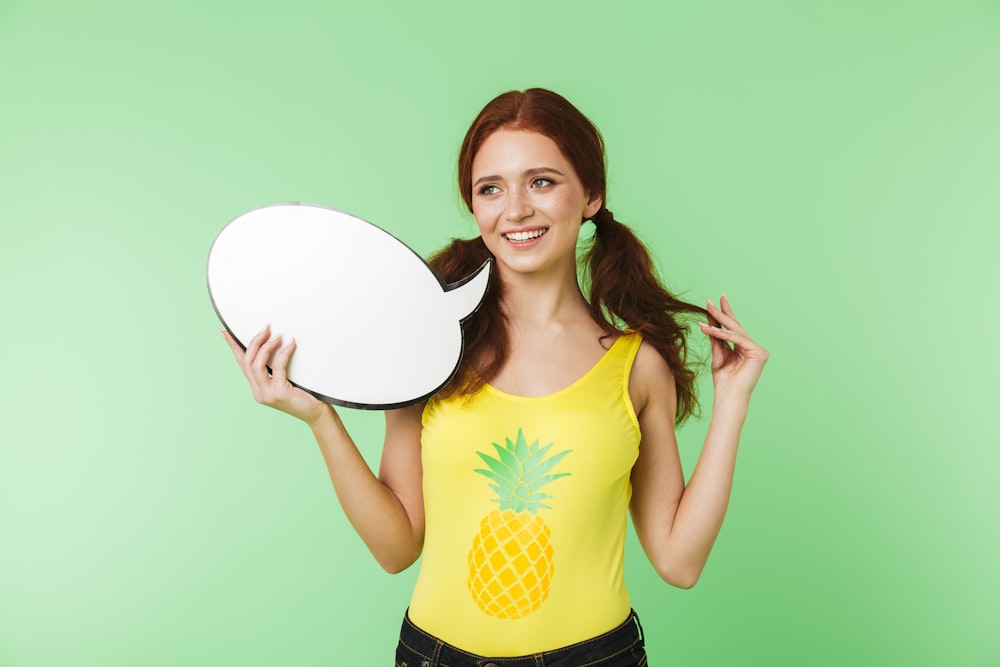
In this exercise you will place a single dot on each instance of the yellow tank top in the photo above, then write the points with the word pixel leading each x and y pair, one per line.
pixel 526 501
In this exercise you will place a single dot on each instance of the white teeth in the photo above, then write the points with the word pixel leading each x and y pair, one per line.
pixel 524 236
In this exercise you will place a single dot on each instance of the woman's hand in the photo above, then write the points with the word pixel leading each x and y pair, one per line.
pixel 736 367
pixel 274 389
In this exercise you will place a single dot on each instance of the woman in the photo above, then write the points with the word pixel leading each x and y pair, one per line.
pixel 514 481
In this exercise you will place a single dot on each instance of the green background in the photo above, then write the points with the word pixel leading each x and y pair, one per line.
pixel 834 167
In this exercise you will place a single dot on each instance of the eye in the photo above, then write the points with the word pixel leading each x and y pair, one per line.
pixel 542 182
pixel 488 190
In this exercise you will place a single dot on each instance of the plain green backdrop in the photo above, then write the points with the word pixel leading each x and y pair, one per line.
pixel 834 167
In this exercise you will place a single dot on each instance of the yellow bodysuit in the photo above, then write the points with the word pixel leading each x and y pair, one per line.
pixel 526 501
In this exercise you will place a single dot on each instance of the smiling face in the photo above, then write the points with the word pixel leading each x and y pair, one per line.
pixel 529 203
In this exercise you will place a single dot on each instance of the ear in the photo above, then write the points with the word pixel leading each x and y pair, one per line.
pixel 593 206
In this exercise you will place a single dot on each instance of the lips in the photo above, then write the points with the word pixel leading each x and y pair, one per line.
pixel 525 235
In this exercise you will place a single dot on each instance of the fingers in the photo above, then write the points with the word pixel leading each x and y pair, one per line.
pixel 725 334
pixel 279 366
pixel 257 341
pixel 741 339
pixel 261 361
pixel 237 349
pixel 723 328
pixel 734 353
pixel 274 388
pixel 724 315
pixel 726 308
pixel 721 351
pixel 254 359
pixel 744 349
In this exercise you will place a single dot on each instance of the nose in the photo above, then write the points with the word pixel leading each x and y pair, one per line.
pixel 518 205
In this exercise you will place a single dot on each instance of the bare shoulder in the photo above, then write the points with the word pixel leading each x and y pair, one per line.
pixel 651 382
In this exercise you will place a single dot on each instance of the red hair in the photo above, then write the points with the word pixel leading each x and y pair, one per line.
pixel 617 272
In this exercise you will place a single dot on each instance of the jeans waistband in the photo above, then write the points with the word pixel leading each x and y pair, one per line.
pixel 437 652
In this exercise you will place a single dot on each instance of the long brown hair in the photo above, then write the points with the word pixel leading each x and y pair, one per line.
pixel 616 270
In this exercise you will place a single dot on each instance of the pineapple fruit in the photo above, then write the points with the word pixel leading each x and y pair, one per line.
pixel 511 560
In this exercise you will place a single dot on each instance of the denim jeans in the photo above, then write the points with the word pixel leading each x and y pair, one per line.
pixel 621 647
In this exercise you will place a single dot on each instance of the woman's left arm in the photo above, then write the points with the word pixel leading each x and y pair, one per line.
pixel 677 524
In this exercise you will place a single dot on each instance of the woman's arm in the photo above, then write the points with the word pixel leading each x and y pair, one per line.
pixel 677 524
pixel 387 511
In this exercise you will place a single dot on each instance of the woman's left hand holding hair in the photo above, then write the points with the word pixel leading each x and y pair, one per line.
pixel 737 361
pixel 677 522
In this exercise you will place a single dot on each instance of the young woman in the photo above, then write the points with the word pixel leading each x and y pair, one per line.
pixel 514 481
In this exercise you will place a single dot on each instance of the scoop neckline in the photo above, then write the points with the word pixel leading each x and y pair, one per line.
pixel 593 369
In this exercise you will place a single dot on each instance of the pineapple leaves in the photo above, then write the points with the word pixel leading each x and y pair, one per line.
pixel 506 498
pixel 497 478
pixel 500 471
pixel 542 481
pixel 546 466
pixel 520 470
pixel 508 458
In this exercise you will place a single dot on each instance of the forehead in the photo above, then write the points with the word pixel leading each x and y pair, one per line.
pixel 517 150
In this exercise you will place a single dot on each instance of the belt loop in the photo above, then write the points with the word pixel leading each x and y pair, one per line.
pixel 436 659
pixel 539 660
pixel 638 625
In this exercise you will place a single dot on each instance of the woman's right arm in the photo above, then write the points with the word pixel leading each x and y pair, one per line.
pixel 387 511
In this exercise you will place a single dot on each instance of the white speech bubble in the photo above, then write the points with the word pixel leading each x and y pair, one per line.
pixel 375 327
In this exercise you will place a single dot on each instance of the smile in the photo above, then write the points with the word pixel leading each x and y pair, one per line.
pixel 528 235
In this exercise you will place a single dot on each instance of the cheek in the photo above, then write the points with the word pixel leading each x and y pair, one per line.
pixel 565 205
pixel 485 215
pixel 482 224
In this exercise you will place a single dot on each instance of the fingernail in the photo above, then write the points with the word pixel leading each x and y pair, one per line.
pixel 709 302
pixel 264 328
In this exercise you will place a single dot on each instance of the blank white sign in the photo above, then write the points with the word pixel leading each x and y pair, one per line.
pixel 374 326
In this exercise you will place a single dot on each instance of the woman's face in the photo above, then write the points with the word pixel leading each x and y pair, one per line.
pixel 529 203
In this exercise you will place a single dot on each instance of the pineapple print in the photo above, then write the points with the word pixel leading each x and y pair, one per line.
pixel 511 561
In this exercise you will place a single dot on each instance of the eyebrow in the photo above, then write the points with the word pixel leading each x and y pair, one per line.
pixel 530 172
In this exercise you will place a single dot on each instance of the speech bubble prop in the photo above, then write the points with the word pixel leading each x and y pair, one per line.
pixel 374 326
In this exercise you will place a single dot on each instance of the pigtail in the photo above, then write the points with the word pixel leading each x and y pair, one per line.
pixel 484 333
pixel 625 290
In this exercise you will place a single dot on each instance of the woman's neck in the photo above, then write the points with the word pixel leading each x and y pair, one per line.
pixel 553 339
pixel 537 301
